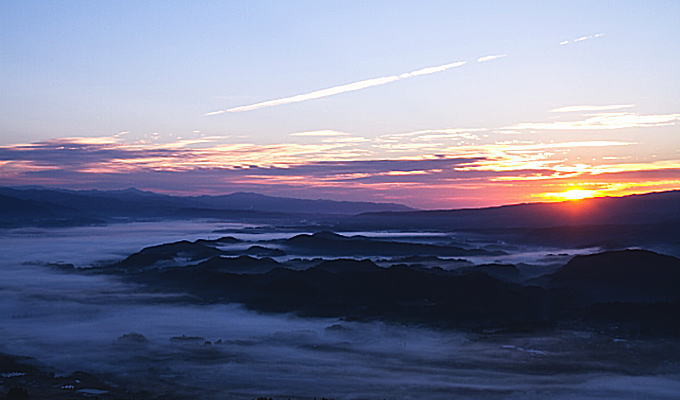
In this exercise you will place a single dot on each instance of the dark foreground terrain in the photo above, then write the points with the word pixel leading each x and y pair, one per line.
pixel 22 378
pixel 632 291
pixel 303 306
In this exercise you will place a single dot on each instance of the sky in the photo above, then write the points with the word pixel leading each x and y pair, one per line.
pixel 434 104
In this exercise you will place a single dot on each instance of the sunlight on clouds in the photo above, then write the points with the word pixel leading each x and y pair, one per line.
pixel 625 188
pixel 571 194
pixel 581 189
pixel 346 139
pixel 426 134
pixel 17 167
pixel 98 140
pixel 322 132
pixel 401 173
pixel 428 159
pixel 602 121
pixel 624 167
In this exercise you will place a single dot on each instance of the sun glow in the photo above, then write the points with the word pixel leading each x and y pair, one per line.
pixel 571 194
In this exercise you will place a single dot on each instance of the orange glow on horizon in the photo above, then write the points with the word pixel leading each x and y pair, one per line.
pixel 571 194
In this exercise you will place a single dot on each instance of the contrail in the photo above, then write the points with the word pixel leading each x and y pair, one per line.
pixel 490 58
pixel 350 87
pixel 581 39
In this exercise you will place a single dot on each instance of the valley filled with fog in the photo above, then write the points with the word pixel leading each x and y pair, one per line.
pixel 60 307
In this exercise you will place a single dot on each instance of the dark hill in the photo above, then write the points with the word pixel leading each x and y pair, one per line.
pixel 332 244
pixel 627 275
pixel 167 252
pixel 358 290
pixel 630 291
pixel 345 265
pixel 504 272
pixel 238 265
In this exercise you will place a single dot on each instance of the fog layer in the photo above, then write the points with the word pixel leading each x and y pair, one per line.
pixel 77 321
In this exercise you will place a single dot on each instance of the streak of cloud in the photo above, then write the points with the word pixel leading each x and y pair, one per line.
pixel 581 39
pixel 603 121
pixel 491 57
pixel 350 87
pixel 322 132
pixel 592 108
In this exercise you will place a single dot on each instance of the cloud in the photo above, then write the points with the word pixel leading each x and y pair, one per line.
pixel 346 139
pixel 430 135
pixel 518 156
pixel 350 87
pixel 322 132
pixel 492 57
pixel 603 121
pixel 592 108
pixel 581 39
pixel 422 167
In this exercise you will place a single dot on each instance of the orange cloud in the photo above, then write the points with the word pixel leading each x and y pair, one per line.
pixel 440 165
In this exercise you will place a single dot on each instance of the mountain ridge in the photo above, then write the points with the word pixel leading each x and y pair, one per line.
pixel 654 207
pixel 132 202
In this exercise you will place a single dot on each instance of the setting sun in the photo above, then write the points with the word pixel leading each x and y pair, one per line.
pixel 571 194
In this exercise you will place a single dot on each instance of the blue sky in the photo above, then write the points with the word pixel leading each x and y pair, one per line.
pixel 154 69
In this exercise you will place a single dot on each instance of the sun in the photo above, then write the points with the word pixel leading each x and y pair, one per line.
pixel 571 194
pixel 577 194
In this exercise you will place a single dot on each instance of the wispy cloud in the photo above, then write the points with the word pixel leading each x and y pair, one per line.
pixel 322 132
pixel 581 39
pixel 423 167
pixel 603 121
pixel 492 57
pixel 592 108
pixel 350 87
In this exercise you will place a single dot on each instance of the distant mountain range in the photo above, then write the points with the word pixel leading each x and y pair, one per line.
pixel 46 206
pixel 651 220
pixel 651 208
pixel 625 220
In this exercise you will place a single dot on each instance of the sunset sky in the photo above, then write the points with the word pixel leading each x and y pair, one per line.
pixel 434 104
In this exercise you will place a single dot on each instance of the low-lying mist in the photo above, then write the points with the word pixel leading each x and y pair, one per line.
pixel 72 321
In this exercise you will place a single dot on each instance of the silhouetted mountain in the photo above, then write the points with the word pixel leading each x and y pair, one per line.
pixel 168 252
pixel 260 202
pixel 14 207
pixel 133 203
pixel 626 275
pixel 633 290
pixel 504 272
pixel 15 211
pixel 332 244
pixel 345 265
pixel 261 251
pixel 650 208
pixel 582 223
pixel 665 234
pixel 219 241
pixel 356 289
pixel 237 265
